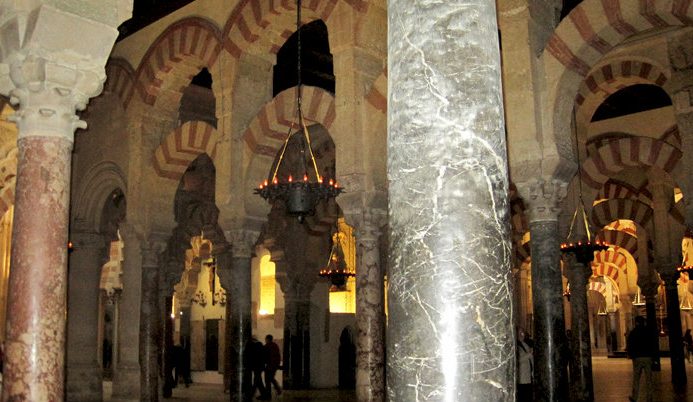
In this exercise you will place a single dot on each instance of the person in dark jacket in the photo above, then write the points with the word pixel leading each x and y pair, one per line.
pixel 274 360
pixel 254 359
pixel 640 350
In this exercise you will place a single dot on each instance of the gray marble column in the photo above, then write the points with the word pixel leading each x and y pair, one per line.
pixel 235 272
pixel 678 367
pixel 581 384
pixel 84 376
pixel 126 372
pixel 550 344
pixel 150 316
pixel 370 312
pixel 450 333
pixel 296 353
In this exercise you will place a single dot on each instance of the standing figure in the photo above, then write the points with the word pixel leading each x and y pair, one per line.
pixel 274 360
pixel 254 361
pixel 639 348
pixel 688 344
pixel 525 367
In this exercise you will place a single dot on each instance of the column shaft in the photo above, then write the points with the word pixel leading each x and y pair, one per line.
pixel 35 339
pixel 550 376
pixel 581 384
pixel 651 315
pixel 84 376
pixel 296 354
pixel 450 335
pixel 678 367
pixel 150 333
pixel 370 316
pixel 240 323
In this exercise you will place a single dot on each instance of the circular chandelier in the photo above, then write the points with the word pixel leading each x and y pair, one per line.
pixel 336 269
pixel 300 196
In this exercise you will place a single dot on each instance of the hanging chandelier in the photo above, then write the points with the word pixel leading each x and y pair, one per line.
pixel 301 193
pixel 336 269
pixel 582 248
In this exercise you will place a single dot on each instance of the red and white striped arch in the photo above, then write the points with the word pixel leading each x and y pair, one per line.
pixel 193 39
pixel 182 146
pixel 268 130
pixel 608 211
pixel 262 26
pixel 613 76
pixel 610 257
pixel 120 79
pixel 583 38
pixel 377 96
pixel 596 286
pixel 607 270
pixel 617 155
pixel 595 27
pixel 620 239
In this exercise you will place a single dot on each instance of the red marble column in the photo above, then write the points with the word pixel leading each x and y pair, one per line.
pixel 36 310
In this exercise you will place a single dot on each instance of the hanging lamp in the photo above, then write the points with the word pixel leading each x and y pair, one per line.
pixel 583 247
pixel 336 269
pixel 300 193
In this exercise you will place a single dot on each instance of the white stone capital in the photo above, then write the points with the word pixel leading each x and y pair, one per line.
pixel 367 223
pixel 52 60
pixel 542 198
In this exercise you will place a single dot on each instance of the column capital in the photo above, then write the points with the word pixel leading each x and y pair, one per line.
pixel 152 248
pixel 51 71
pixel 670 278
pixel 542 198
pixel 242 241
pixel 367 223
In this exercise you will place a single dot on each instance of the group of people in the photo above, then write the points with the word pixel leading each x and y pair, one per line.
pixel 262 359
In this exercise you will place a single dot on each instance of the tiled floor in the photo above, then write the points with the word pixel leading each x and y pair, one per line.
pixel 612 384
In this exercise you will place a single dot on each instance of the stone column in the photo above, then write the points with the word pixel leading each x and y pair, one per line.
pixel 84 376
pixel 126 372
pixel 450 333
pixel 581 385
pixel 550 345
pixel 370 311
pixel 296 354
pixel 678 367
pixel 235 277
pixel 650 294
pixel 613 331
pixel 150 316
pixel 50 72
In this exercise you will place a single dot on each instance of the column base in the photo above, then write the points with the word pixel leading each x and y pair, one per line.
pixel 126 383
pixel 84 383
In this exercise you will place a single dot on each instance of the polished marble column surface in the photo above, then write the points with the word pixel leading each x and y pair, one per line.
pixel 239 319
pixel 35 338
pixel 449 335
pixel 550 343
pixel 370 312
pixel 581 384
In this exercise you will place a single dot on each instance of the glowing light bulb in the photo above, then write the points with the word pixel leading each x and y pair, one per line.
pixel 291 178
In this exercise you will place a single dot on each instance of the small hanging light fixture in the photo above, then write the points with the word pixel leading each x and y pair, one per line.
pixel 300 194
pixel 336 269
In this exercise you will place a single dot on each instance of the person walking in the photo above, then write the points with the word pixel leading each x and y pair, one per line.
pixel 274 360
pixel 254 361
pixel 640 350
pixel 688 344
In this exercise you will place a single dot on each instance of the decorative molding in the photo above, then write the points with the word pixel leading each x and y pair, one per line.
pixel 542 198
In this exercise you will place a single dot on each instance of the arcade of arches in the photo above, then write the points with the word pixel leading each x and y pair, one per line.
pixel 144 228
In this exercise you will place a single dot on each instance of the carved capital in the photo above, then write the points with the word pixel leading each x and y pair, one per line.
pixel 51 71
pixel 242 242
pixel 367 223
pixel 152 249
pixel 542 198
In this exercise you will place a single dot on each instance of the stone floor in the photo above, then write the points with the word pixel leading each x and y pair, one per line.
pixel 612 384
